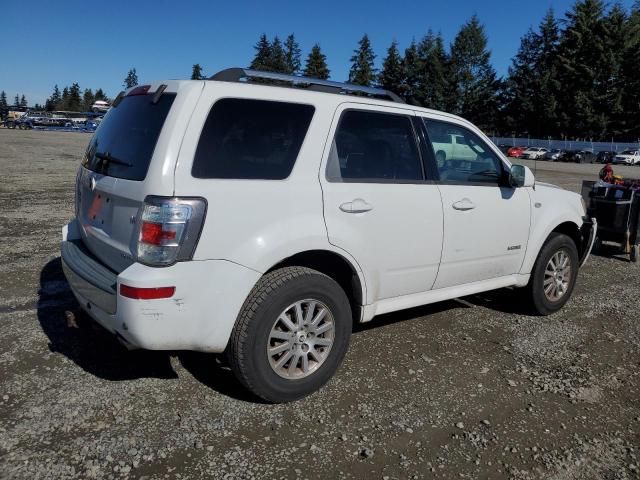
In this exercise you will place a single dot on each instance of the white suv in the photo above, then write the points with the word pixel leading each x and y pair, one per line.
pixel 262 220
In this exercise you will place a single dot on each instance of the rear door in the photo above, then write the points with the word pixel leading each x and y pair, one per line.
pixel 378 205
pixel 126 160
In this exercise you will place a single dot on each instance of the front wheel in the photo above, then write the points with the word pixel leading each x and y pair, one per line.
pixel 291 334
pixel 554 274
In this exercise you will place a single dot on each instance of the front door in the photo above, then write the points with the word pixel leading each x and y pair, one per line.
pixel 377 204
pixel 486 224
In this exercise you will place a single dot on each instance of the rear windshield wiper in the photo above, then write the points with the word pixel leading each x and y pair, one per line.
pixel 107 157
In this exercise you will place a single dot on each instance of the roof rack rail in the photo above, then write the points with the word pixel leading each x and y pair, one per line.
pixel 237 74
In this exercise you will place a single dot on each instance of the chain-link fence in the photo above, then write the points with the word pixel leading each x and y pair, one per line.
pixel 567 144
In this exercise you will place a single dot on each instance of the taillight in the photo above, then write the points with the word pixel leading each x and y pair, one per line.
pixel 139 90
pixel 168 229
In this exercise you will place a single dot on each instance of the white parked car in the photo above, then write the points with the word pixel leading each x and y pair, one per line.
pixel 534 153
pixel 628 157
pixel 263 221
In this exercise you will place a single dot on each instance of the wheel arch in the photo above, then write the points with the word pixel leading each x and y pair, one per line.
pixel 566 226
pixel 336 266
pixel 571 230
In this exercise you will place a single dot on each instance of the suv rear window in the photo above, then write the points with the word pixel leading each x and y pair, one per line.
pixel 123 144
pixel 251 139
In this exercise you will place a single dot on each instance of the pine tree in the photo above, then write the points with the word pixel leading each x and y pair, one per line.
pixel 292 55
pixel 100 95
pixel 316 64
pixel 474 85
pixel 23 101
pixel 631 79
pixel 392 75
pixel 582 70
pixel 278 61
pixel 16 101
pixel 87 100
pixel 131 80
pixel 412 67
pixel 196 72
pixel 362 70
pixel 75 100
pixel 549 87
pixel 262 58
pixel 63 104
pixel 431 88
pixel 521 85
pixel 3 104
pixel 612 91
pixel 53 102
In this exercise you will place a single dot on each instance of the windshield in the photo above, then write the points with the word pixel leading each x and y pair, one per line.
pixel 628 152
pixel 124 142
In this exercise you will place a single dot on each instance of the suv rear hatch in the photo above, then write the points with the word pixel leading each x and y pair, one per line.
pixel 131 155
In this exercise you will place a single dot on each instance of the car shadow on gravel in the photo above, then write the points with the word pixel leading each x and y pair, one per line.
pixel 214 372
pixel 504 300
pixel 72 333
pixel 99 353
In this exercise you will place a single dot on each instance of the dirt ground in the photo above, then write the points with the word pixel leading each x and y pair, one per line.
pixel 474 388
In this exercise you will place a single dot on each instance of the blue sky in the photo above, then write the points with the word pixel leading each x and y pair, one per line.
pixel 95 43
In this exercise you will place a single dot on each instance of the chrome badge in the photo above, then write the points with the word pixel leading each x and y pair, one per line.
pixel 92 183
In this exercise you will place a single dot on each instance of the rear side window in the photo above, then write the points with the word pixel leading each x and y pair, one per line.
pixel 124 142
pixel 251 139
pixel 375 147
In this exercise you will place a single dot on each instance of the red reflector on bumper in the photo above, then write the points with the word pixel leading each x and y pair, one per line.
pixel 146 293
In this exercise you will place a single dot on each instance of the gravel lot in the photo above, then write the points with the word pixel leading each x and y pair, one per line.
pixel 473 388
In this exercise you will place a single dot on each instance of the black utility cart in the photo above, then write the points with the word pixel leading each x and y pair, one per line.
pixel 617 210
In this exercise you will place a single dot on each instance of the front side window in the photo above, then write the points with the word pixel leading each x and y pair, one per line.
pixel 373 146
pixel 461 156
pixel 251 139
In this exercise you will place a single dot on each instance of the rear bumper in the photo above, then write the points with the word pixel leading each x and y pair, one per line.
pixel 200 315
pixel 589 231
pixel 88 277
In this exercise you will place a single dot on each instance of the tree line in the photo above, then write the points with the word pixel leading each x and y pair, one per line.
pixel 73 98
pixel 573 77
pixel 282 57
pixel 18 101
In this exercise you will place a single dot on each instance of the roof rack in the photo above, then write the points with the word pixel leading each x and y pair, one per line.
pixel 327 86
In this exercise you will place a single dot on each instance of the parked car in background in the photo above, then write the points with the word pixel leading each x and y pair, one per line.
pixel 605 156
pixel 515 152
pixel 628 157
pixel 580 156
pixel 555 155
pixel 504 147
pixel 534 153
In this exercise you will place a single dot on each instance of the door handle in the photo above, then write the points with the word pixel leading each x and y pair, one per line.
pixel 464 205
pixel 356 206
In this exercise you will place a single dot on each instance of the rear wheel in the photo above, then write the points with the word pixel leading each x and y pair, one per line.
pixel 554 274
pixel 291 335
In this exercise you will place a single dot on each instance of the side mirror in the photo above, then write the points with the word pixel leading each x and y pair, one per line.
pixel 521 176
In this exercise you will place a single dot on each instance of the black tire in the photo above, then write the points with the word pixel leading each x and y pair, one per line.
pixel 633 255
pixel 540 303
pixel 247 348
